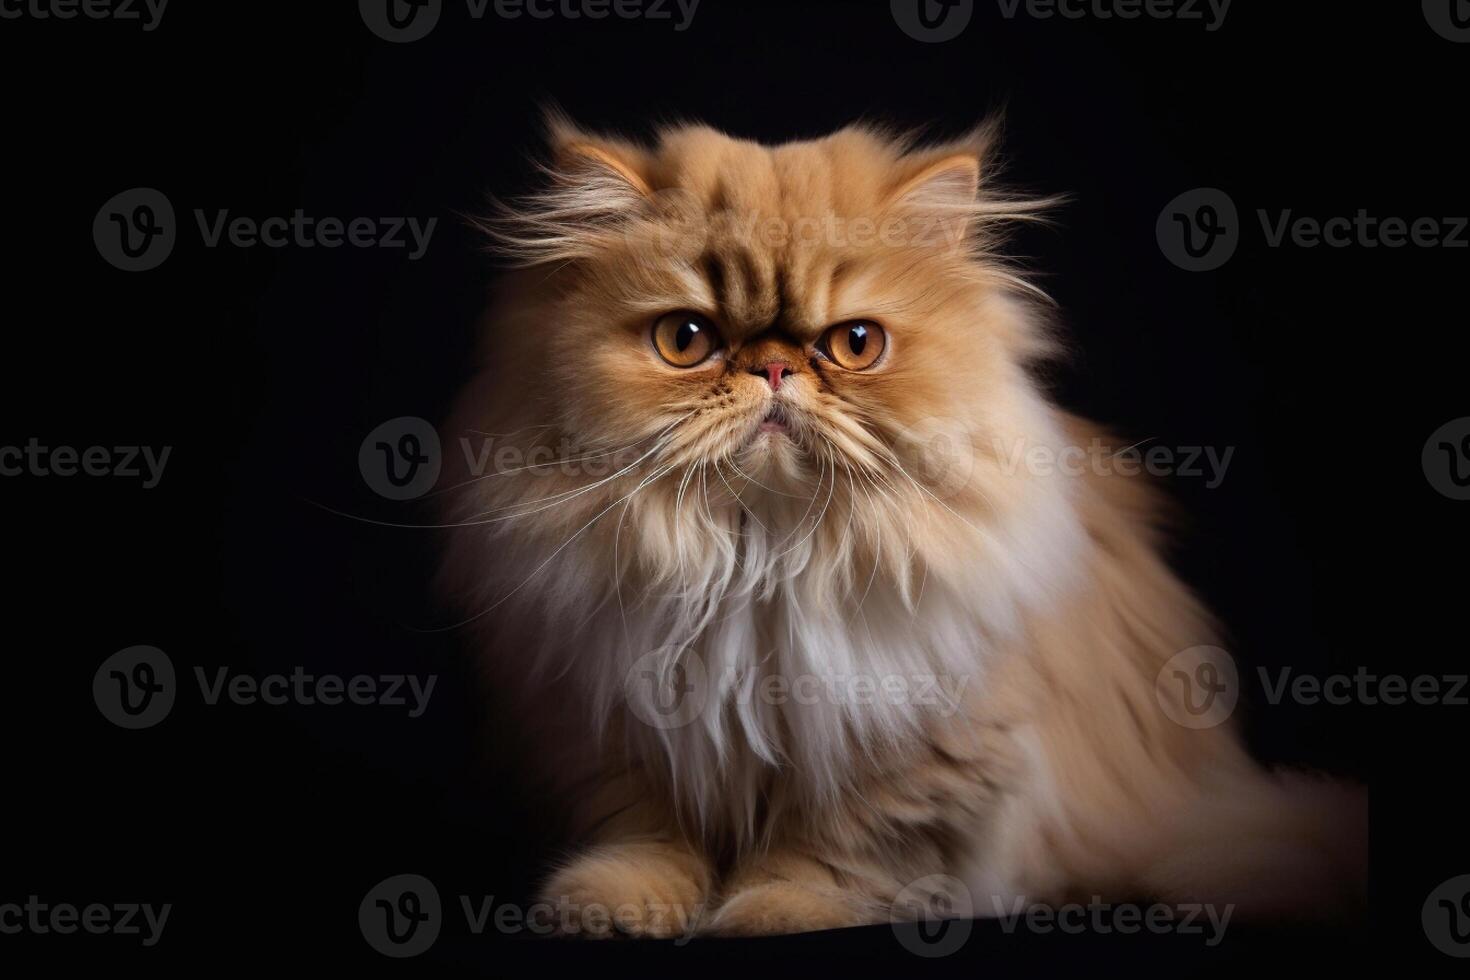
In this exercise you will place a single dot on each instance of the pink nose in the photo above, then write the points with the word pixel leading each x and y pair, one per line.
pixel 774 372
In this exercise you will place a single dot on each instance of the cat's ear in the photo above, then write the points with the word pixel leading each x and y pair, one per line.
pixel 943 183
pixel 952 190
pixel 594 186
pixel 612 167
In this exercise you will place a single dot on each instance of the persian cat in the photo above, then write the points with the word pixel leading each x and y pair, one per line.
pixel 763 563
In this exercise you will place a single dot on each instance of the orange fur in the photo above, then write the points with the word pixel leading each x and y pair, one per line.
pixel 836 549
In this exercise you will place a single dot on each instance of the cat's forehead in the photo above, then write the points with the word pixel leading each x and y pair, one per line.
pixel 846 172
pixel 782 227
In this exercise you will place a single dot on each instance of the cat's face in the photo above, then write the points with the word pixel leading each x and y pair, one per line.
pixel 807 327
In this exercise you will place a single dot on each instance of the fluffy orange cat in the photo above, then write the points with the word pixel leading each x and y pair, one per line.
pixel 789 626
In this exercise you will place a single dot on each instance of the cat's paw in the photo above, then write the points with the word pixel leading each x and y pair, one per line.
pixel 781 907
pixel 646 889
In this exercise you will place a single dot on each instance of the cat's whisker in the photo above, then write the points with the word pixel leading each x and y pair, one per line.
pixel 738 498
pixel 560 498
pixel 661 433
pixel 817 492
pixel 750 479
pixel 818 522
pixel 537 466
pixel 562 547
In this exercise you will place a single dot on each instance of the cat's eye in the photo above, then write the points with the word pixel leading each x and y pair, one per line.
pixel 685 339
pixel 855 345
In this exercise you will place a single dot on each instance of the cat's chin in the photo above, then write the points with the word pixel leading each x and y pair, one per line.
pixel 774 458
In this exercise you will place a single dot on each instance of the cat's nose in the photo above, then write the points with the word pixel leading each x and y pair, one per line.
pixel 774 371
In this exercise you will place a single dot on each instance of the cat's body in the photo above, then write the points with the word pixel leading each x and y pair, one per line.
pixel 791 631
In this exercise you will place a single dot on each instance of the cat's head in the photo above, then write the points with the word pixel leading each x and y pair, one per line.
pixel 814 339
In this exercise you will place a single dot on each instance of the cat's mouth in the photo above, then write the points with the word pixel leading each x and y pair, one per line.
pixel 775 422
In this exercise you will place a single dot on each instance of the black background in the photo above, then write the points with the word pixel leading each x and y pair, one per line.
pixel 1325 547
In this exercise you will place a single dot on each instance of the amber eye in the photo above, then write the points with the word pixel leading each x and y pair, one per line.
pixel 685 339
pixel 855 345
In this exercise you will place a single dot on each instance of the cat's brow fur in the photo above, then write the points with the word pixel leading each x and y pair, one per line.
pixel 1038 597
